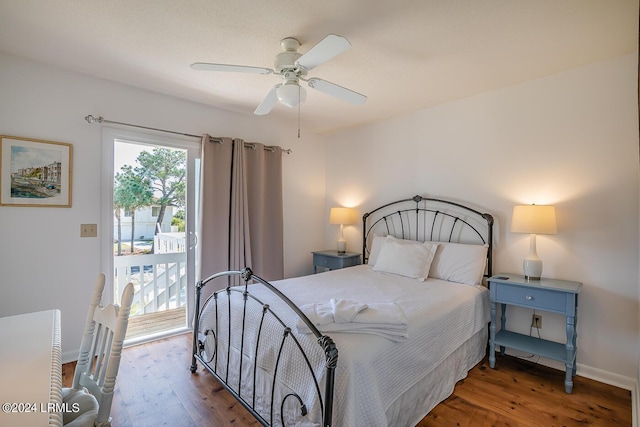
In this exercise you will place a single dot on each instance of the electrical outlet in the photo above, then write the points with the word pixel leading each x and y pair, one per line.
pixel 536 321
pixel 88 230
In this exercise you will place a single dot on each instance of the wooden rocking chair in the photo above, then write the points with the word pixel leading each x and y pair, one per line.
pixel 98 361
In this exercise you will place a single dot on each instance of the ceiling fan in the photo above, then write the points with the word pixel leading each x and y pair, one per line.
pixel 293 67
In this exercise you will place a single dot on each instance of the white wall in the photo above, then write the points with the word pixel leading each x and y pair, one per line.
pixel 43 261
pixel 570 140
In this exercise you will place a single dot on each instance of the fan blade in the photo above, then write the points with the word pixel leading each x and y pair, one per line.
pixel 268 102
pixel 326 49
pixel 340 92
pixel 230 68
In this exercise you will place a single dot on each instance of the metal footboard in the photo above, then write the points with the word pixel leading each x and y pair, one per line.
pixel 216 357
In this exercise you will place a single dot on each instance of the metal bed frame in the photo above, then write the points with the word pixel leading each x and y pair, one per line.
pixel 424 219
pixel 325 342
pixel 428 219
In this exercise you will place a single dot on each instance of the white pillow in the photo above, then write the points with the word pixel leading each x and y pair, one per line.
pixel 459 262
pixel 376 245
pixel 410 260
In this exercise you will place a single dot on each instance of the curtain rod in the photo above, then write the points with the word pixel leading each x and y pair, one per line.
pixel 100 119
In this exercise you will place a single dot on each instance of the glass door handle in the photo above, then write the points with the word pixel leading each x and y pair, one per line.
pixel 193 240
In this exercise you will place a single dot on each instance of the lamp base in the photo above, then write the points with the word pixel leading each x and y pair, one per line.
pixel 532 269
pixel 342 246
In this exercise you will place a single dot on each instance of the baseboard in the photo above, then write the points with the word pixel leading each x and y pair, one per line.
pixel 589 372
pixel 70 356
pixel 606 377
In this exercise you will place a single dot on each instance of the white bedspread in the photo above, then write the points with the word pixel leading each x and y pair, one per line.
pixel 373 371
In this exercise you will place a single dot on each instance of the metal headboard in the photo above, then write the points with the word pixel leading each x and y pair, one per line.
pixel 427 219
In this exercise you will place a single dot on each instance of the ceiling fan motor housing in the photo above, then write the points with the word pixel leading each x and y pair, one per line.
pixel 286 60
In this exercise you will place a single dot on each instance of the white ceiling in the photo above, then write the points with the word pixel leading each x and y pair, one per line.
pixel 405 55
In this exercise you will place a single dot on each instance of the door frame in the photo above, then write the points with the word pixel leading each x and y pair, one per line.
pixel 151 138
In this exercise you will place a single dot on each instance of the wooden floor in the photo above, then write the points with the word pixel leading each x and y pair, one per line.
pixel 155 388
pixel 151 323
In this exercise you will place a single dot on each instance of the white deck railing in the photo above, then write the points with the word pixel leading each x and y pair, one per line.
pixel 164 243
pixel 160 280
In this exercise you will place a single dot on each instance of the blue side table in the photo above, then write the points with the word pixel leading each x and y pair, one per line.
pixel 333 260
pixel 557 296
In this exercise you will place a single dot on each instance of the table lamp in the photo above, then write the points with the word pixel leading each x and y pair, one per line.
pixel 342 216
pixel 533 219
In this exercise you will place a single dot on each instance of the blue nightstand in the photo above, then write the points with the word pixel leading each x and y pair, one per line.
pixel 332 260
pixel 557 296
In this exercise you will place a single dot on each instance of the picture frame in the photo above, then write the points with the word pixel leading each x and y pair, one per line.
pixel 35 172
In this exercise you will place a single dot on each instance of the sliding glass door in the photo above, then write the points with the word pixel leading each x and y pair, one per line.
pixel 149 211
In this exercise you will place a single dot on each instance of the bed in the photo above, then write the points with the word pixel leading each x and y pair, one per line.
pixel 379 344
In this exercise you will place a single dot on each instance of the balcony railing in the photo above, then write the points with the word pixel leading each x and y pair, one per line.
pixel 160 280
pixel 169 242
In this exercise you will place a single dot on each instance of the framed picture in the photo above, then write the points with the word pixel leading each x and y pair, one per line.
pixel 35 172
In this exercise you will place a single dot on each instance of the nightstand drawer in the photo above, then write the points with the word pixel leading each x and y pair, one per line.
pixel 332 260
pixel 542 299
pixel 326 262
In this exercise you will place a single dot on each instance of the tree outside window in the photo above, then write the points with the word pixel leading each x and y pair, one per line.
pixel 158 182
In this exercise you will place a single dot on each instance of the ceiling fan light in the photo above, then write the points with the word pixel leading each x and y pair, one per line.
pixel 291 94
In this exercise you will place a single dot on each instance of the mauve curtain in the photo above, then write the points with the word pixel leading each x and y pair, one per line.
pixel 215 203
pixel 241 209
pixel 239 232
pixel 263 166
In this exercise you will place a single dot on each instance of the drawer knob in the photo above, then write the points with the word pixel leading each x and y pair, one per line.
pixel 528 298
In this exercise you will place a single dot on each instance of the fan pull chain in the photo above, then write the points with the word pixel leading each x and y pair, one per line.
pixel 299 111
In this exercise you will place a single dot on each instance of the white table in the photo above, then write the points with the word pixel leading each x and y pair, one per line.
pixel 31 369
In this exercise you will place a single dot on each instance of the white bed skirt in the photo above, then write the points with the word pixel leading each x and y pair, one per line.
pixel 410 408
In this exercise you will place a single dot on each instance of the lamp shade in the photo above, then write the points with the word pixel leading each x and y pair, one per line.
pixel 534 219
pixel 342 216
